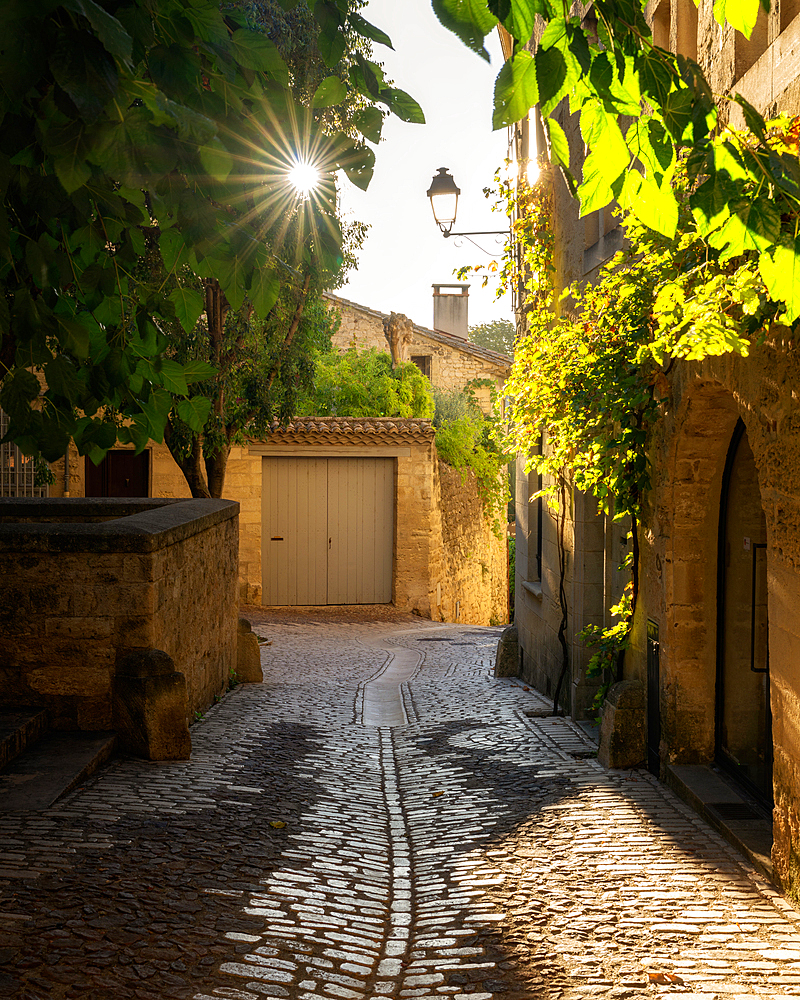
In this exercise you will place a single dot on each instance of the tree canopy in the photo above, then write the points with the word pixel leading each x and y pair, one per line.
pixel 134 127
pixel 497 335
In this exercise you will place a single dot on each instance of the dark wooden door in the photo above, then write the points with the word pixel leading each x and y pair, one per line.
pixel 120 474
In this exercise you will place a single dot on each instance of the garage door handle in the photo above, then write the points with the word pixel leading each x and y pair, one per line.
pixel 276 538
pixel 329 542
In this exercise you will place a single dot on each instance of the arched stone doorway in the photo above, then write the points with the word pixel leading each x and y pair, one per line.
pixel 743 720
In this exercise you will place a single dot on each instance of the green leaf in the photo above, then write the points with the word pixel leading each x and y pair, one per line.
pixel 136 432
pixel 471 20
pixel 255 51
pixel 169 374
pixel 752 118
pixel 369 122
pixel 740 14
pixel 62 379
pixel 359 166
pixel 780 269
pixel 655 206
pixel 516 90
pixel 648 141
pixel 655 74
pixel 207 21
pixel 607 160
pixel 188 306
pixel 231 276
pixel 156 410
pixel 709 203
pixel 559 146
pixel 754 224
pixel 173 248
pixel 216 160
pixel 264 291
pixel 198 371
pixel 331 42
pixel 194 412
pixel 18 391
pixel 677 111
pixel 108 29
pixel 562 58
pixel 75 336
pixel 368 30
pixel 331 91
pixel 518 17
pixel 403 105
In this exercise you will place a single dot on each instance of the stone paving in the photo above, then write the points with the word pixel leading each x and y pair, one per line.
pixel 473 849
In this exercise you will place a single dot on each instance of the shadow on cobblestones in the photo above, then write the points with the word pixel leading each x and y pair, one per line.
pixel 140 907
pixel 301 856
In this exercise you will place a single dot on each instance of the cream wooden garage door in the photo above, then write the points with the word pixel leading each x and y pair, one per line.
pixel 328 531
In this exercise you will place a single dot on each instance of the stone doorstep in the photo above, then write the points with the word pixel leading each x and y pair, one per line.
pixel 18 729
pixel 46 772
pixel 740 820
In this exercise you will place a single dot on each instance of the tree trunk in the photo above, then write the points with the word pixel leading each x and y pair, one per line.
pixel 216 467
pixel 191 466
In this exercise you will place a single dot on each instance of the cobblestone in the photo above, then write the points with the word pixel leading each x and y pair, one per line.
pixel 476 851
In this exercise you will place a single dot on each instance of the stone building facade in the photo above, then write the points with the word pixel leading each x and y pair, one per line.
pixel 716 639
pixel 447 564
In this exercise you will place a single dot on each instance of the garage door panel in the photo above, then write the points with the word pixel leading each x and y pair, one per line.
pixel 295 531
pixel 328 534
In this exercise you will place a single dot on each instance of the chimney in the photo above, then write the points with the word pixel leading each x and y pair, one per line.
pixel 450 309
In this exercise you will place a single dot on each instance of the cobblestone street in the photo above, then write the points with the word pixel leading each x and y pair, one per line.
pixel 473 849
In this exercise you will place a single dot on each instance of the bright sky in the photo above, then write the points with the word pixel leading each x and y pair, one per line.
pixel 404 253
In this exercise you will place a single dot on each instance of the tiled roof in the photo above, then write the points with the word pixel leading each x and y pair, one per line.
pixel 344 430
pixel 493 357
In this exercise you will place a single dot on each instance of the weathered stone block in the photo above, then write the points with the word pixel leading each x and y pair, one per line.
pixel 248 661
pixel 506 663
pixel 623 726
pixel 150 707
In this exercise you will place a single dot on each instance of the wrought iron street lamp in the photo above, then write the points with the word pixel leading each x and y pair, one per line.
pixel 443 194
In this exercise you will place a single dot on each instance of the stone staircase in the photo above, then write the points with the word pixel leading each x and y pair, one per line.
pixel 39 765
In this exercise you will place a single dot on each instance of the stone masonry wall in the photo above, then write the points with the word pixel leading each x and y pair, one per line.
pixel 475 561
pixel 679 559
pixel 69 607
pixel 242 483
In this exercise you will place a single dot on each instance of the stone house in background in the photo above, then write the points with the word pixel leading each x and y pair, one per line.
pixel 444 354
pixel 337 510
pixel 711 697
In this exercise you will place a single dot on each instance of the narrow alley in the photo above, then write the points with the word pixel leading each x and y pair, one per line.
pixel 382 818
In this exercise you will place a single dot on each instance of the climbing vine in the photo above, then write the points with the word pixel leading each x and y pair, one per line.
pixel 589 378
pixel 468 440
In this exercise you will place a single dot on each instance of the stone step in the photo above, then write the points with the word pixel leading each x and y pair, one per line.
pixel 19 728
pixel 44 773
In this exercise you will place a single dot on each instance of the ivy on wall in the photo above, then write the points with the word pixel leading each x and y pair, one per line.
pixel 590 377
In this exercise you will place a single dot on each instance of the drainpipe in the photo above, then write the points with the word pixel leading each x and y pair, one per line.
pixel 66 472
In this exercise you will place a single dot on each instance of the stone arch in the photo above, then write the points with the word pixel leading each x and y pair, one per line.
pixel 679 570
pixel 704 426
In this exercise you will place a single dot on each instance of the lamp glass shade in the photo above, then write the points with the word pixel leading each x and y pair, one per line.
pixel 443 194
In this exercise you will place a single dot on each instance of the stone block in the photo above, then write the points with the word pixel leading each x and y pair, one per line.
pixel 506 662
pixel 150 706
pixel 623 726
pixel 248 658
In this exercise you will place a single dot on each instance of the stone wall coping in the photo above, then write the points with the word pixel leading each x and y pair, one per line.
pixel 136 526
pixel 458 343
pixel 352 430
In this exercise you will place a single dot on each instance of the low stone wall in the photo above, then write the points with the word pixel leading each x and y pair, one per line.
pixel 84 581
pixel 475 560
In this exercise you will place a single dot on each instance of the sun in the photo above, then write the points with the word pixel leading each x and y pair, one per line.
pixel 304 177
